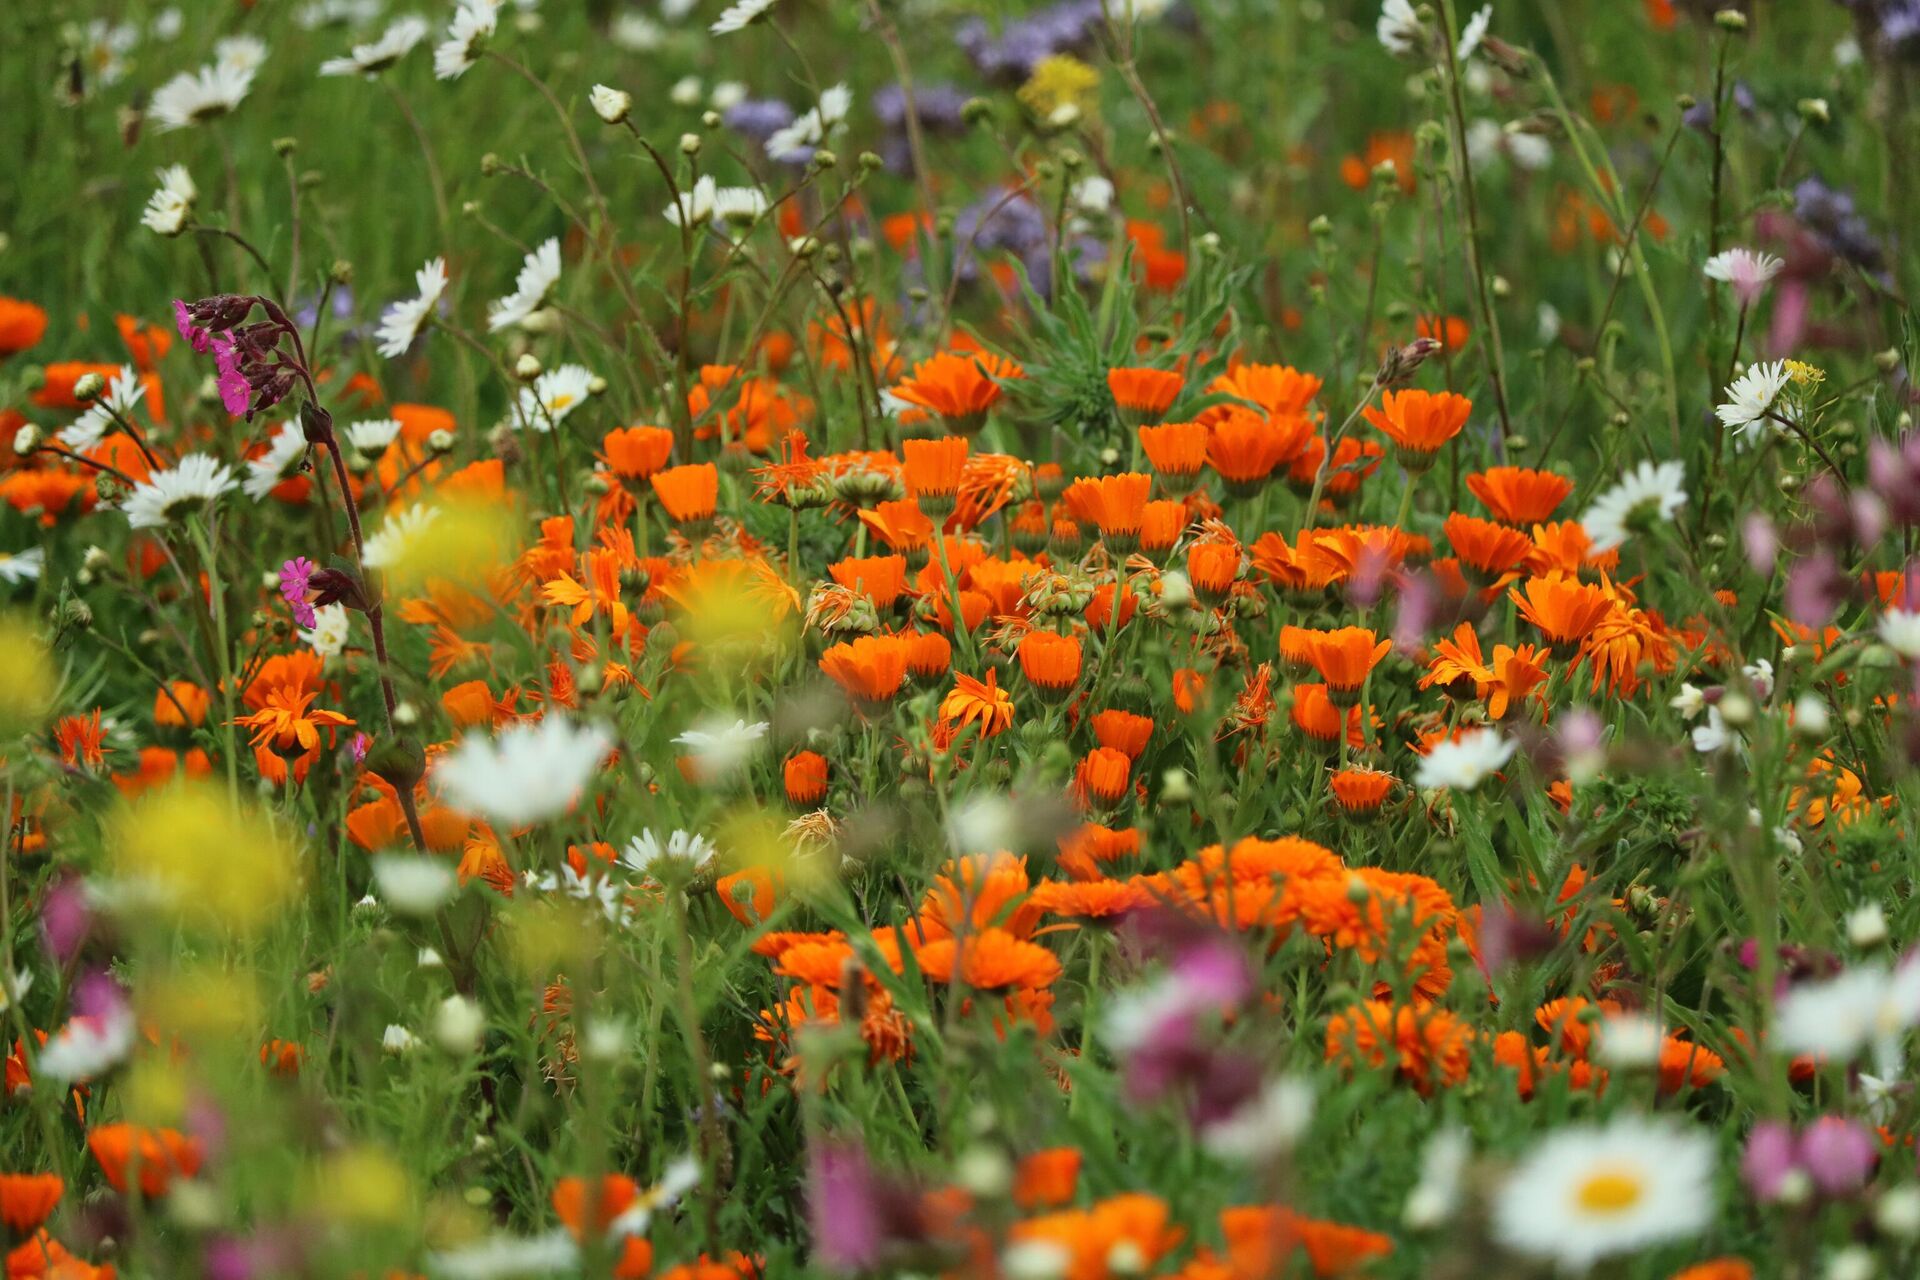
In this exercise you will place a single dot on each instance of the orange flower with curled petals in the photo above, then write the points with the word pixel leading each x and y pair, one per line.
pixel 1419 422
pixel 162 1156
pixel 1361 792
pixel 1175 450
pixel 1566 547
pixel 804 775
pixel 1262 1240
pixel 1104 900
pixel 689 493
pixel 1114 504
pixel 28 1199
pixel 1279 389
pixel 1103 776
pixel 1366 910
pixel 1562 609
pixel 980 703
pixel 1090 1239
pixel 1427 1047
pixel 933 468
pixel 879 578
pixel 990 959
pixel 1245 447
pixel 902 526
pixel 288 728
pixel 1519 495
pixel 636 453
pixel 1051 662
pixel 599 594
pixel 870 669
pixel 81 741
pixel 960 388
pixel 1144 395
pixel 1491 550
pixel 1344 658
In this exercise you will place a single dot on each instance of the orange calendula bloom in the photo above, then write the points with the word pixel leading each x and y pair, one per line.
pixel 990 959
pixel 1103 775
pixel 1051 662
pixel 1161 524
pixel 28 1199
pixel 1419 422
pixel 1046 1178
pixel 1261 1239
pixel 960 388
pixel 932 469
pixel 871 668
pixel 81 740
pixel 1136 1223
pixel 902 526
pixel 805 777
pixel 929 654
pixel 1428 1047
pixel 182 705
pixel 1279 389
pixel 1361 792
pixel 1718 1269
pixel 162 1154
pixel 879 578
pixel 1144 395
pixel 635 453
pixel 289 728
pixel 1115 504
pixel 689 493
pixel 1519 495
pixel 1175 450
pixel 1246 447
pixel 22 325
pixel 981 703
pixel 1344 658
pixel 1123 731
pixel 1213 566
pixel 1491 550
pixel 1563 609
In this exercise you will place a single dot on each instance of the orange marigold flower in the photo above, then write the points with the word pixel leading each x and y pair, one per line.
pixel 288 726
pixel 163 1155
pixel 27 1200
pixel 1103 775
pixel 1161 524
pixel 1175 450
pixel 1051 662
pixel 1562 609
pixel 879 578
pixel 22 325
pixel 929 654
pixel 182 705
pixel 1419 422
pixel 1115 504
pixel 636 453
pixel 1427 1047
pixel 1684 1064
pixel 1519 495
pixel 932 469
pixel 902 525
pixel 81 740
pixel 990 959
pixel 870 668
pixel 1123 731
pixel 1314 714
pixel 959 388
pixel 1091 899
pixel 1213 566
pixel 1261 1239
pixel 1489 549
pixel 1728 1268
pixel 1144 395
pixel 1245 447
pixel 1046 1178
pixel 1090 1237
pixel 805 777
pixel 1344 658
pixel 978 702
pixel 1279 389
pixel 689 493
pixel 1361 791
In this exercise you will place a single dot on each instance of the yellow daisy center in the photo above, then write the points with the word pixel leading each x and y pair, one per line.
pixel 561 401
pixel 1610 1191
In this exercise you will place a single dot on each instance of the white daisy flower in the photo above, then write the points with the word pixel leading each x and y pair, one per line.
pixel 1473 33
pixel 1465 762
pixel 524 774
pixel 599 890
pixel 372 436
pixel 1747 272
pixel 646 855
pixel 414 884
pixel 611 105
pixel 332 628
pixel 539 272
pixel 727 95
pixel 739 15
pixel 637 33
pixel 679 1177
pixel 1714 735
pixel 501 1257
pixel 389 545
pixel 125 391
pixel 718 748
pixel 1588 1192
pixel 88 1047
pixel 812 127
pixel 1645 494
pixel 473 22
pixel 1752 395
pixel 22 566
pixel 285 452
pixel 1900 631
pixel 194 97
pixel 1836 1018
pixel 240 53
pixel 400 324
pixel 1435 1198
pixel 191 485
pixel 370 59
pixel 1628 1040
pixel 1689 702
pixel 553 395
pixel 397 1040
pixel 169 207
pixel 694 208
pixel 1398 28
pixel 1266 1126
pixel 736 209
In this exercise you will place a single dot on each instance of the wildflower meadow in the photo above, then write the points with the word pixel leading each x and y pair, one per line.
pixel 716 639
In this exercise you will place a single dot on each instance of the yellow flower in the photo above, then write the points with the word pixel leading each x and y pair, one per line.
pixel 1806 375
pixel 204 859
pixel 26 695
pixel 1061 89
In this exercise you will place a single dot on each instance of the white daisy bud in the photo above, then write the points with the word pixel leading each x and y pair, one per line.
pixel 1867 925
pixel 611 105
pixel 1898 1212
pixel 457 1024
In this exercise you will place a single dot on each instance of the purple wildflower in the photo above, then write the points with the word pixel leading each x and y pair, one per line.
pixel 296 575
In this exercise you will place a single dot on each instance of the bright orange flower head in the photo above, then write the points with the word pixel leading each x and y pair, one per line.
pixel 1144 395
pixel 1345 658
pixel 163 1155
pixel 1123 731
pixel 1047 1178
pixel 1175 450
pixel 879 578
pixel 981 703
pixel 805 777
pixel 871 668
pixel 1103 776
pixel 1491 550
pixel 1115 504
pixel 1563 609
pixel 636 453
pixel 1161 524
pixel 22 324
pixel 990 959
pixel 1316 715
pixel 1213 566
pixel 1262 1239
pixel 1051 662
pixel 81 741
pixel 902 526
pixel 1419 422
pixel 1428 1047
pixel 929 654
pixel 1090 1238
pixel 1245 447
pixel 960 388
pixel 27 1200
pixel 1519 495
pixel 1361 792
pixel 1281 390
pixel 932 468
pixel 689 493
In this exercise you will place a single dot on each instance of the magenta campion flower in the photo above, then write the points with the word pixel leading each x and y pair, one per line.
pixel 1838 1154
pixel 197 338
pixel 232 384
pixel 1768 1160
pixel 295 575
